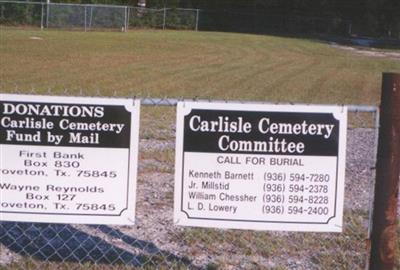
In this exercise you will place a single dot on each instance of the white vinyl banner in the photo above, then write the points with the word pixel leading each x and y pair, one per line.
pixel 68 159
pixel 261 167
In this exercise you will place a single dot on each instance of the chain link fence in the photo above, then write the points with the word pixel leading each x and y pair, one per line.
pixel 154 242
pixel 146 18
pixel 89 17
pixel 22 14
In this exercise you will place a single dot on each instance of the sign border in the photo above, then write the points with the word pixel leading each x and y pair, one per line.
pixel 132 106
pixel 184 108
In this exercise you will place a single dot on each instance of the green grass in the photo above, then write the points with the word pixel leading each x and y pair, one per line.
pixel 162 128
pixel 202 65
pixel 155 263
pixel 397 243
pixel 188 64
pixel 327 251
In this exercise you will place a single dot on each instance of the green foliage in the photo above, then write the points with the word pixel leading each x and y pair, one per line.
pixel 375 18
pixel 12 14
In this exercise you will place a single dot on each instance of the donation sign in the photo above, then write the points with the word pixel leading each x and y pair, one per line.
pixel 68 159
pixel 262 167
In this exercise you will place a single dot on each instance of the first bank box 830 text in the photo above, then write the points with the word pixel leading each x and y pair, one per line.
pixel 68 159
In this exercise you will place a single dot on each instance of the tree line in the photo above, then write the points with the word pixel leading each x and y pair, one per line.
pixel 377 18
pixel 373 18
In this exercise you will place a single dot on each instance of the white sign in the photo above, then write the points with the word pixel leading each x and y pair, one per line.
pixel 68 159
pixel 261 167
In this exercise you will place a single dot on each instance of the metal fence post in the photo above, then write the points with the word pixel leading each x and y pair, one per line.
pixel 383 237
pixel 165 15
pixel 90 18
pixel 133 15
pixel 47 13
pixel 42 18
pixel 127 18
pixel 197 19
pixel 85 18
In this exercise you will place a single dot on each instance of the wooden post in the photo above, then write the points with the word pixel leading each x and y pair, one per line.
pixel 383 237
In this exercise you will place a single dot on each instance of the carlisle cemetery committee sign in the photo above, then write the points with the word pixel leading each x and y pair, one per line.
pixel 263 167
pixel 68 159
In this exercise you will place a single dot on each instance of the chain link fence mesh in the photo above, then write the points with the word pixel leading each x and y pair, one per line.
pixel 94 17
pixel 86 17
pixel 100 17
pixel 27 14
pixel 146 18
pixel 65 16
pixel 181 19
pixel 154 242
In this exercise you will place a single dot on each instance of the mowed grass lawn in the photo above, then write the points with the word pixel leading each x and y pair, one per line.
pixel 188 64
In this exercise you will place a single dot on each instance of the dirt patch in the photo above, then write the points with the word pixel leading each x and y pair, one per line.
pixel 394 55
pixel 6 256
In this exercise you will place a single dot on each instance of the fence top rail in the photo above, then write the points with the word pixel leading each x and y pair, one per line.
pixel 88 5
pixel 174 101
pixel 92 5
pixel 166 8
pixel 62 4
pixel 165 101
pixel 147 9
pixel 22 2
pixel 185 9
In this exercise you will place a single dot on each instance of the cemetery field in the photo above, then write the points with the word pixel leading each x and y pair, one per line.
pixel 202 65
pixel 156 63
